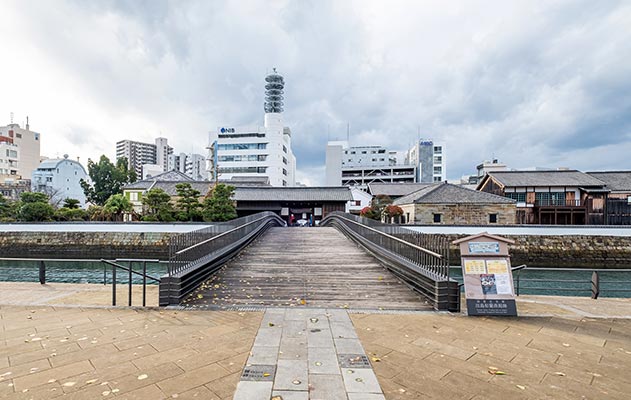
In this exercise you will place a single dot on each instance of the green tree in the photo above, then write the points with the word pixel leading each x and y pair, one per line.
pixel 96 213
pixel 34 207
pixel 7 209
pixel 70 214
pixel 218 205
pixel 117 205
pixel 107 179
pixel 188 203
pixel 157 206
pixel 71 203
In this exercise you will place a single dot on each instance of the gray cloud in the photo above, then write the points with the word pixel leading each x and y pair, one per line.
pixel 533 83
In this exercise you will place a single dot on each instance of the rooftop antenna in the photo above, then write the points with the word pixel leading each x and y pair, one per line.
pixel 27 123
pixel 11 117
pixel 348 132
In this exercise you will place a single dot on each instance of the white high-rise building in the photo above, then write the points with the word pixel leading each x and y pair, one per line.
pixel 163 150
pixel 430 160
pixel 28 144
pixel 258 150
pixel 137 154
pixel 193 165
pixel 361 165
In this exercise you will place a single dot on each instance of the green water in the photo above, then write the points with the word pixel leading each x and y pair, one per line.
pixel 74 271
pixel 613 283
pixel 555 282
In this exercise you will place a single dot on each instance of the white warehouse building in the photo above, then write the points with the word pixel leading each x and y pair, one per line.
pixel 256 151
pixel 60 179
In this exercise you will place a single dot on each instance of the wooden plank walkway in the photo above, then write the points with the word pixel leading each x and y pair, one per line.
pixel 314 267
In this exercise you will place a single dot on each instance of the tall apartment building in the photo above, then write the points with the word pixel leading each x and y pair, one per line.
pixel 163 150
pixel 361 165
pixel 429 159
pixel 256 151
pixel 28 150
pixel 192 165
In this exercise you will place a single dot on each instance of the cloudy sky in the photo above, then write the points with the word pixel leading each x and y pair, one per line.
pixel 531 83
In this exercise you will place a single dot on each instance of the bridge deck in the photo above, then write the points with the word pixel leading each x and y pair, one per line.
pixel 314 267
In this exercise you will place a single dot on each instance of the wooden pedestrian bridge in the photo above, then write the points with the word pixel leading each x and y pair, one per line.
pixel 346 262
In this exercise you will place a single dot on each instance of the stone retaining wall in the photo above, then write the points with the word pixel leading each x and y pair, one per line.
pixel 562 251
pixel 89 245
pixel 534 250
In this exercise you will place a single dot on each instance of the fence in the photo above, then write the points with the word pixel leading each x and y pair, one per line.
pixel 420 260
pixel 194 256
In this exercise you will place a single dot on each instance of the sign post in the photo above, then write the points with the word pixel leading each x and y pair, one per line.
pixel 487 275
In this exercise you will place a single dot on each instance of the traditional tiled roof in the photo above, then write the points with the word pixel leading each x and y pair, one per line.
pixel 616 181
pixel 446 193
pixel 292 194
pixel 395 189
pixel 570 178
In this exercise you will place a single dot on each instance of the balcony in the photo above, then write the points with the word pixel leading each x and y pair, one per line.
pixel 558 203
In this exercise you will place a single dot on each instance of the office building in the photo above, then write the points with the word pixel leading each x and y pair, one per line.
pixel 256 151
pixel 60 179
pixel 429 159
pixel 28 149
pixel 362 165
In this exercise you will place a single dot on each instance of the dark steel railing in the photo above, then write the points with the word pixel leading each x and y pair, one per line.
pixel 193 247
pixel 594 286
pixel 420 260
pixel 130 271
pixel 195 256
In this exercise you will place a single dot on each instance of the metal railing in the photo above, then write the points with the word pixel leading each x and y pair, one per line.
pixel 594 285
pixel 194 256
pixel 43 272
pixel 419 260
pixel 558 203
pixel 130 270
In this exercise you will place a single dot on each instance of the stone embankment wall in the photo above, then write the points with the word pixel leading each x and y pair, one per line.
pixel 88 245
pixel 562 251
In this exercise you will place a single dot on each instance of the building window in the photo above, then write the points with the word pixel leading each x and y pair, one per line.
pixel 437 218
pixel 285 148
pixel 519 197
pixel 352 152
pixel 18 135
pixel 438 160
pixel 438 170
pixel 284 172
pixel 437 179
pixel 358 202
pixel 493 218
pixel 284 160
pixel 242 146
pixel 628 199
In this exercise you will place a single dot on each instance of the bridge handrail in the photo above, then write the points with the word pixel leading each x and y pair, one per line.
pixel 423 270
pixel 424 250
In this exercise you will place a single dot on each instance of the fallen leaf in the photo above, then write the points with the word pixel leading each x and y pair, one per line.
pixel 143 376
pixel 91 381
pixel 376 359
pixel 69 384
pixel 566 344
pixel 559 373
pixel 521 387
pixel 271 324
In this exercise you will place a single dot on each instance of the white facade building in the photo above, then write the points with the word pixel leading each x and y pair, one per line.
pixel 361 165
pixel 256 151
pixel 60 179
pixel 193 165
pixel 162 153
pixel 151 170
pixel 136 153
pixel 360 200
pixel 9 161
pixel 430 161
pixel 28 143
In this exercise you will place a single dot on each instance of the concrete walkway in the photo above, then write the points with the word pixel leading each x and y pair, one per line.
pixel 307 354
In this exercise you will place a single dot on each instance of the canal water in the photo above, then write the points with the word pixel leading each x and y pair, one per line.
pixel 560 282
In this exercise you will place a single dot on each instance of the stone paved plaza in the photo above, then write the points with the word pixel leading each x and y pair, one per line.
pixel 559 348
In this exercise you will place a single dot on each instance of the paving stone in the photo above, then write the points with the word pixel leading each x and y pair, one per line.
pixel 319 337
pixel 323 360
pixel 287 395
pixel 348 346
pixel 366 396
pixel 293 349
pixel 269 337
pixel 263 355
pixel 247 390
pixel 343 330
pixel 291 375
pixel 327 387
pixel 360 380
pixel 295 329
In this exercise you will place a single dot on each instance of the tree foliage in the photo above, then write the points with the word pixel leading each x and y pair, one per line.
pixel 71 203
pixel 218 205
pixel 188 203
pixel 157 206
pixel 5 208
pixel 34 207
pixel 117 205
pixel 107 179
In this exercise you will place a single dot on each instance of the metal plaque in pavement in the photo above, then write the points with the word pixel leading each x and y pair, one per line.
pixel 353 361
pixel 259 373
